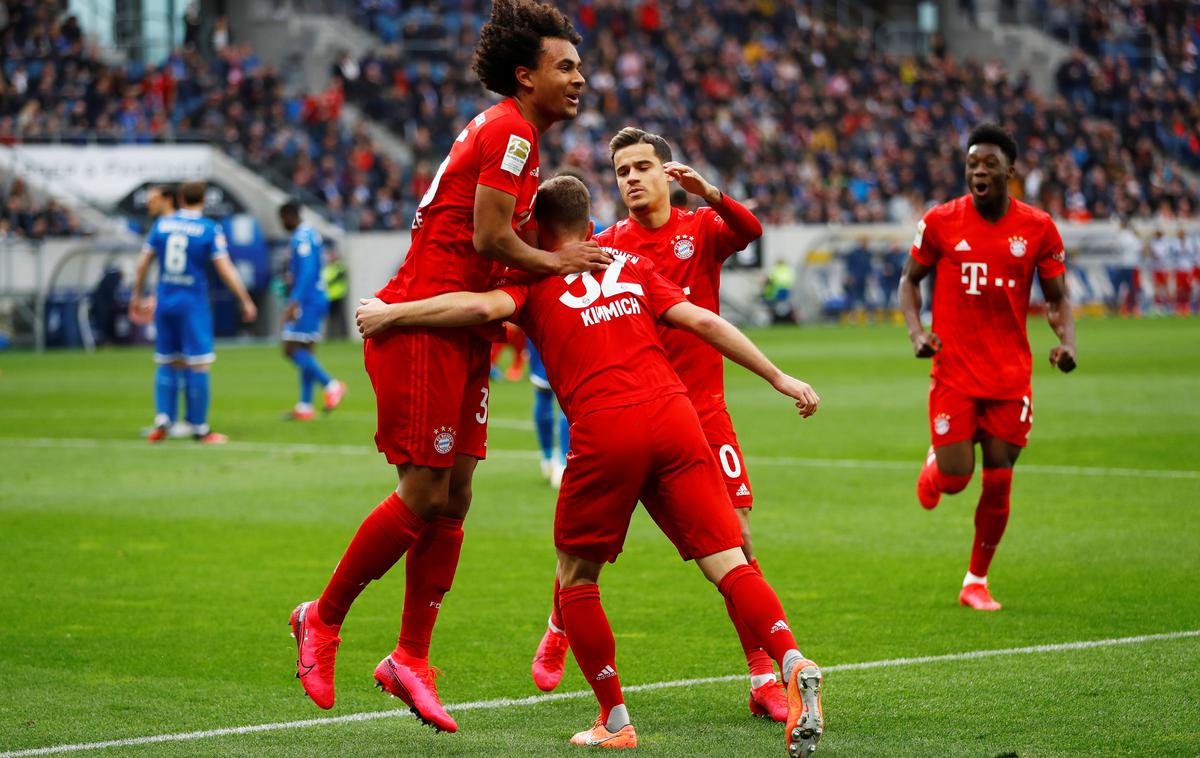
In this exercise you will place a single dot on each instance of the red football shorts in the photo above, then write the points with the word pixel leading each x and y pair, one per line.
pixel 955 417
pixel 722 440
pixel 654 452
pixel 431 392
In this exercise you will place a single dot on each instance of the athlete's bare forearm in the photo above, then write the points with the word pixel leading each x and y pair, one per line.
pixel 139 274
pixel 450 309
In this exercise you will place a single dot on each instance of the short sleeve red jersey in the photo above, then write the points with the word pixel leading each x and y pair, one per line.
pixel 689 250
pixel 598 334
pixel 498 149
pixel 983 275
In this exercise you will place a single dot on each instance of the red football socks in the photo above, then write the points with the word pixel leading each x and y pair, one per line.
pixel 382 538
pixel 946 483
pixel 429 574
pixel 756 658
pixel 991 516
pixel 556 610
pixel 592 643
pixel 756 604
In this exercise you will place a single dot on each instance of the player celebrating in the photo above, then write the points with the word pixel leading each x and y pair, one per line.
pixel 635 436
pixel 306 308
pixel 431 385
pixel 986 248
pixel 182 242
pixel 688 249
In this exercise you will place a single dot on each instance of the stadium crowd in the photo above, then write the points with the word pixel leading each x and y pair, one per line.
pixel 838 133
pixel 23 216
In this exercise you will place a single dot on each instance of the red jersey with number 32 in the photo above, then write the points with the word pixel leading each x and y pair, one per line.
pixel 598 333
pixel 983 275
pixel 498 149
pixel 688 250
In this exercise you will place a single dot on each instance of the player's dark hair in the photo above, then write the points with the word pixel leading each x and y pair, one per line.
pixel 290 207
pixel 679 198
pixel 170 192
pixel 563 203
pixel 192 193
pixel 631 135
pixel 513 37
pixel 994 134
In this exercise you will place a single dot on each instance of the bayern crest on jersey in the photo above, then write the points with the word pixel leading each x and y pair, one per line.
pixel 1017 246
pixel 685 246
pixel 941 423
pixel 443 440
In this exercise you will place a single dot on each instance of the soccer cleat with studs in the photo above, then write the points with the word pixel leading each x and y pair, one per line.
pixel 599 736
pixel 805 721
pixel 316 652
pixel 414 681
pixel 977 596
pixel 549 660
pixel 769 701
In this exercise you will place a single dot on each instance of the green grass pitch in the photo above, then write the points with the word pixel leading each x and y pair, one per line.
pixel 146 591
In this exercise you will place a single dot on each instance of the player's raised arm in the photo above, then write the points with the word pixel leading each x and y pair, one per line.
pixel 741 227
pixel 1062 321
pixel 737 347
pixel 494 237
pixel 451 309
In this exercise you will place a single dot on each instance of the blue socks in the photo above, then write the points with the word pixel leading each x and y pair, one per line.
pixel 166 394
pixel 543 419
pixel 310 371
pixel 197 400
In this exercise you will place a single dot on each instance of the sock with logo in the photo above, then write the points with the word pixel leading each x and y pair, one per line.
pixel 756 604
pixel 166 394
pixel 543 419
pixel 556 620
pixel 759 662
pixel 197 399
pixel 381 539
pixel 991 517
pixel 592 643
pixel 428 575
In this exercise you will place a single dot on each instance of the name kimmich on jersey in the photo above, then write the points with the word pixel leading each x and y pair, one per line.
pixel 608 286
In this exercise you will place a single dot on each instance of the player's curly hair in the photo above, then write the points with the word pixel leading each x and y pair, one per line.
pixel 994 134
pixel 631 135
pixel 513 37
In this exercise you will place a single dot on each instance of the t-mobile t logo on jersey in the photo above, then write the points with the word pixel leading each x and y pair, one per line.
pixel 974 274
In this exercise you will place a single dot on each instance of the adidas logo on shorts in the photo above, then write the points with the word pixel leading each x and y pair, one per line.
pixel 606 673
pixel 780 626
pixel 742 491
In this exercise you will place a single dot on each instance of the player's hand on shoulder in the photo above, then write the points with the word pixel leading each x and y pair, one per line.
pixel 805 396
pixel 586 255
pixel 1063 356
pixel 689 179
pixel 926 345
pixel 373 316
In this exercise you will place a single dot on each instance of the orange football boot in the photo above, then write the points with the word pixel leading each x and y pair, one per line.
pixel 599 736
pixel 976 595
pixel 805 719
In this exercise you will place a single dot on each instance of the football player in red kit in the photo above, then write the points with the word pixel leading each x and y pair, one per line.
pixel 431 385
pixel 635 436
pixel 985 248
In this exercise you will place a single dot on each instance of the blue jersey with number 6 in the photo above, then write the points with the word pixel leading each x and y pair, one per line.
pixel 184 242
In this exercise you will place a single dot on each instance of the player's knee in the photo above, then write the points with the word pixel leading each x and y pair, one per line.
pixel 953 483
pixel 574 571
pixel 458 501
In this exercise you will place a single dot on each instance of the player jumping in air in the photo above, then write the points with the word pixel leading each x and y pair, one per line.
pixel 306 308
pixel 688 249
pixel 431 385
pixel 986 248
pixel 183 242
pixel 634 436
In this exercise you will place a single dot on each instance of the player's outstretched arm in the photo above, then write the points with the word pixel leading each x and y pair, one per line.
pixel 494 238
pixel 228 273
pixel 925 344
pixel 1062 321
pixel 451 309
pixel 738 348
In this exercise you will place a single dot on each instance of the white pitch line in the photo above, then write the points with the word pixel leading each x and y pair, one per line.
pixel 366 449
pixel 505 702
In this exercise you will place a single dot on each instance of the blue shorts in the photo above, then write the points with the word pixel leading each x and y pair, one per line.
pixel 307 326
pixel 537 369
pixel 183 331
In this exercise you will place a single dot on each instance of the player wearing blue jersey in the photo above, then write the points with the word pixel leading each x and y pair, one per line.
pixel 183 242
pixel 546 415
pixel 306 308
